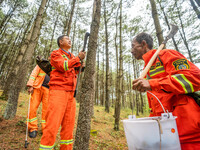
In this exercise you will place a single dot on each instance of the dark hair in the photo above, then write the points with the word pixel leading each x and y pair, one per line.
pixel 60 38
pixel 144 36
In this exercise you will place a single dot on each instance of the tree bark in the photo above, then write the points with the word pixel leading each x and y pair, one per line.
pixel 88 84
pixel 97 81
pixel 198 2
pixel 71 16
pixel 102 95
pixel 159 33
pixel 119 78
pixel 52 36
pixel 19 58
pixel 13 94
pixel 168 25
pixel 183 32
pixel 107 103
pixel 196 10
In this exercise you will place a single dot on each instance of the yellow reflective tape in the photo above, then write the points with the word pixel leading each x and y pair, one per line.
pixel 31 120
pixel 64 56
pixel 53 68
pixel 41 74
pixel 66 65
pixel 156 71
pixel 43 121
pixel 155 68
pixel 191 86
pixel 33 78
pixel 44 147
pixel 66 142
pixel 185 83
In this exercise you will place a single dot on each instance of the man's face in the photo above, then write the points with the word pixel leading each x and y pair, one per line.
pixel 137 49
pixel 65 42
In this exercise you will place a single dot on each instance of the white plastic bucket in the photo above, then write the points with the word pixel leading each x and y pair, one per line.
pixel 145 133
pixel 152 133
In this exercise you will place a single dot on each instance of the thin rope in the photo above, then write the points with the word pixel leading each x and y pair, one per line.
pixel 158 101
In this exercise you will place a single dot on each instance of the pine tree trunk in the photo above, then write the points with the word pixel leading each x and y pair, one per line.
pixel 196 10
pixel 102 94
pixel 107 90
pixel 71 16
pixel 168 25
pixel 198 2
pixel 74 35
pixel 97 81
pixel 13 94
pixel 156 22
pixel 6 19
pixel 183 33
pixel 52 36
pixel 20 56
pixel 119 78
pixel 88 85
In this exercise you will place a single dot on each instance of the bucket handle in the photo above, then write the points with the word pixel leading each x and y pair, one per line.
pixel 159 102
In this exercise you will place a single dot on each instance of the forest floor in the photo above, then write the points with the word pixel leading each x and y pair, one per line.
pixel 13 132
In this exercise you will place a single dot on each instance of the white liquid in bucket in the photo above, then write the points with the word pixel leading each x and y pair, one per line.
pixel 145 133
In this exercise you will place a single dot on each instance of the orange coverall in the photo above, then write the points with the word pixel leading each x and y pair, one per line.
pixel 62 104
pixel 171 78
pixel 40 94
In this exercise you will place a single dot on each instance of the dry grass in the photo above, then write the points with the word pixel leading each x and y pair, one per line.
pixel 12 132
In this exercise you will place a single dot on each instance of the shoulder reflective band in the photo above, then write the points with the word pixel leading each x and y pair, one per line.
pixel 185 83
pixel 156 71
pixel 64 56
pixel 66 65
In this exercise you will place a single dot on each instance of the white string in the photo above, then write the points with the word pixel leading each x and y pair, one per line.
pixel 158 101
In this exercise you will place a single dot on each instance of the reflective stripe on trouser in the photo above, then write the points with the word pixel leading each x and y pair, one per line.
pixel 39 95
pixel 61 111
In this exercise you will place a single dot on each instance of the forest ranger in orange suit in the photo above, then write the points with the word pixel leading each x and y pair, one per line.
pixel 62 105
pixel 38 87
pixel 171 77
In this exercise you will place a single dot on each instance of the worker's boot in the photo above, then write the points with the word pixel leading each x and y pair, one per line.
pixel 33 134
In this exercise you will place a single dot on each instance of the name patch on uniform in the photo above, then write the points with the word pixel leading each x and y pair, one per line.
pixel 154 66
pixel 181 64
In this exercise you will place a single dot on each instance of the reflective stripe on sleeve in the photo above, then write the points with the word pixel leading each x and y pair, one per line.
pixel 185 83
pixel 66 65
pixel 44 147
pixel 33 78
pixel 66 142
pixel 156 71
